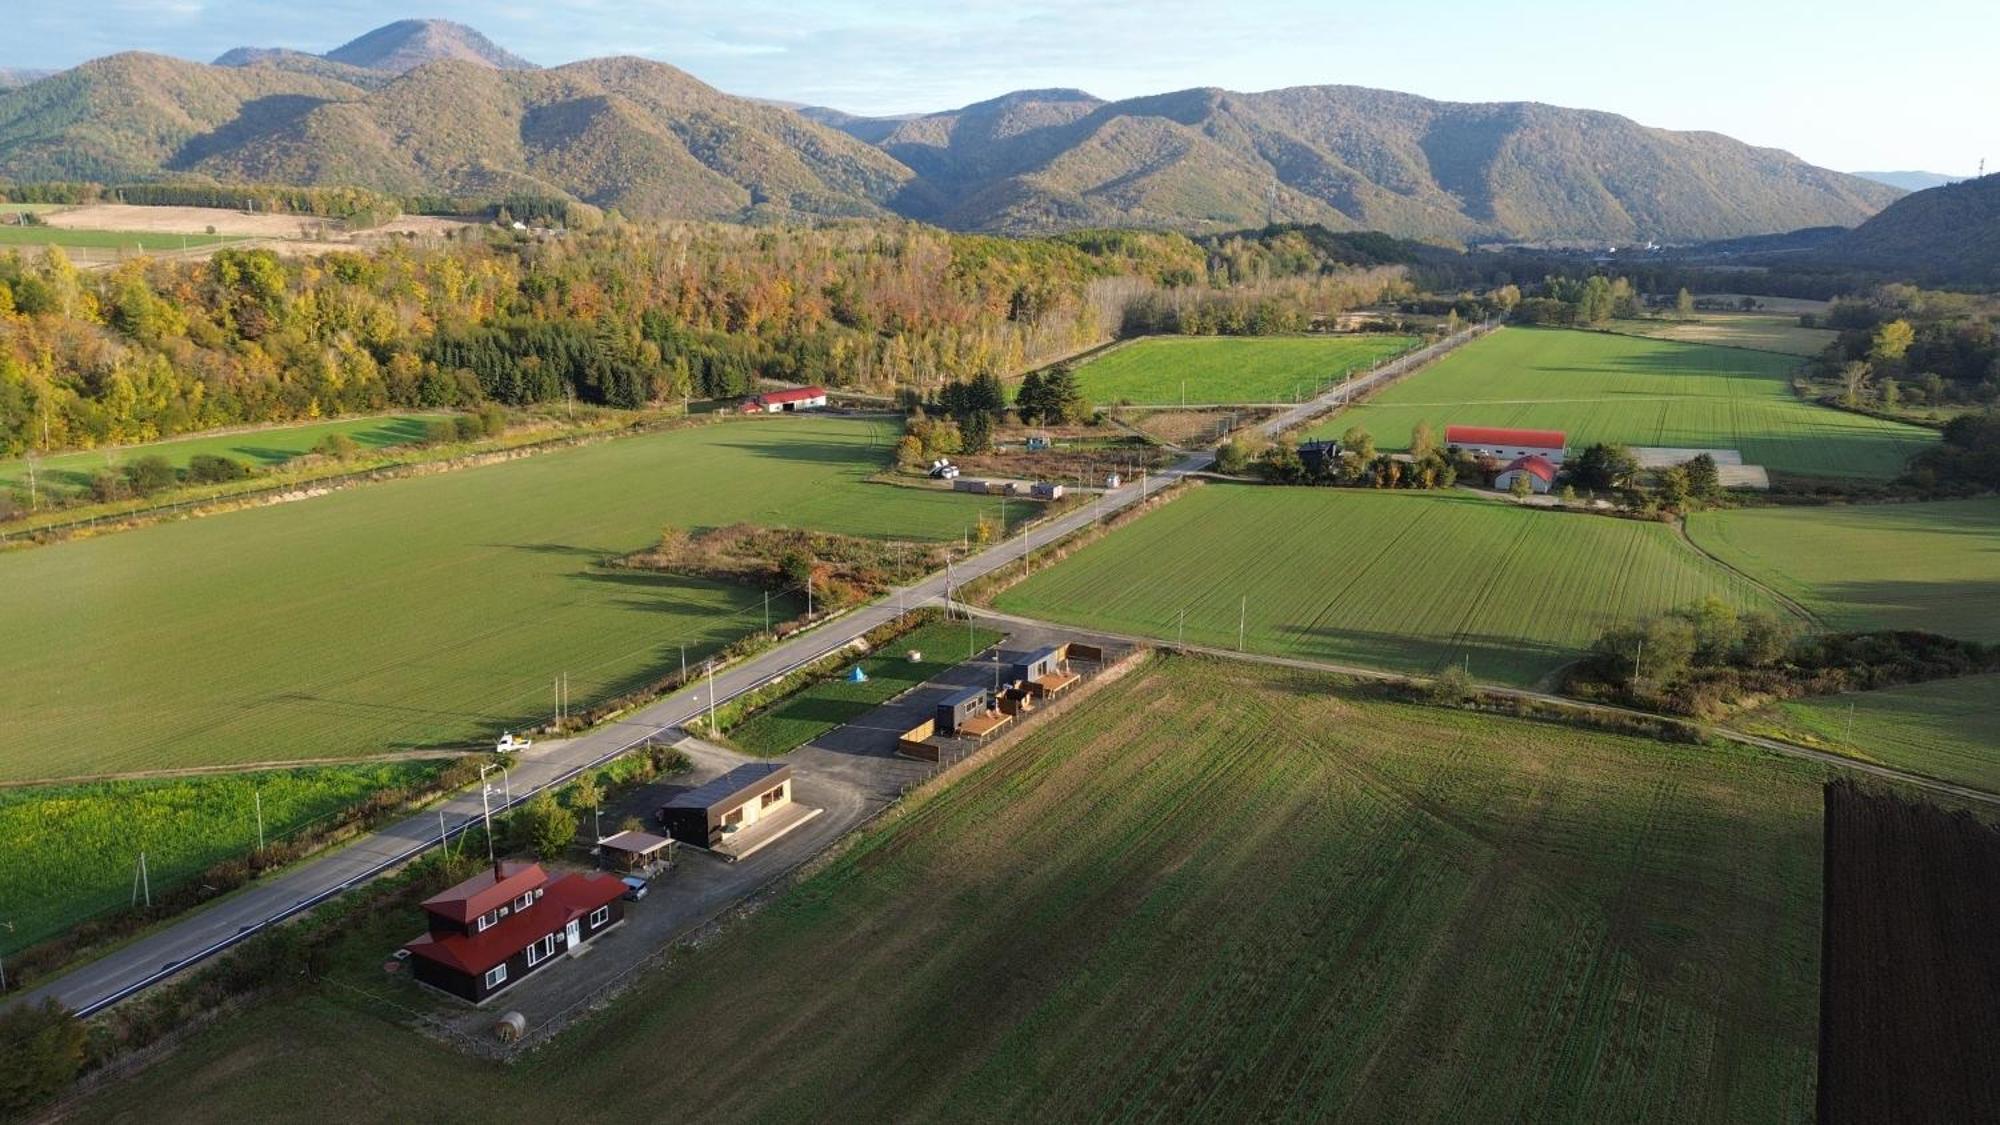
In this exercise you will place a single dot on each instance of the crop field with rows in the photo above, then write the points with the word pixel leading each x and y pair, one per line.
pixel 1600 387
pixel 1933 567
pixel 72 850
pixel 1406 581
pixel 1947 729
pixel 1763 332
pixel 1231 369
pixel 428 611
pixel 1231 894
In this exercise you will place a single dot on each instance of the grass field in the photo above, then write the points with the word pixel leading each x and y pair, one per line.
pixel 1948 729
pixel 268 446
pixel 1934 566
pixel 1217 369
pixel 423 611
pixel 71 849
pixel 106 239
pixel 1406 581
pixel 1209 893
pixel 1610 388
pixel 832 702
pixel 1764 332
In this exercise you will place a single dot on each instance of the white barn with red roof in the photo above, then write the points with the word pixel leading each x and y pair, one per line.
pixel 792 398
pixel 1508 445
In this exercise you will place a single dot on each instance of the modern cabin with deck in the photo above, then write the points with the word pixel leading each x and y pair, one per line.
pixel 708 815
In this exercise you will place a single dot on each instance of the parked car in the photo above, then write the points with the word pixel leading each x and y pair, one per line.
pixel 635 888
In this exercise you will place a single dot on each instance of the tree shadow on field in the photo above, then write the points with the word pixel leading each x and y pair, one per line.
pixel 1511 660
pixel 565 549
pixel 851 455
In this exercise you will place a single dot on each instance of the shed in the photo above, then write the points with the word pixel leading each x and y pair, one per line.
pixel 1319 457
pixel 631 851
pixel 1039 663
pixel 705 815
pixel 960 708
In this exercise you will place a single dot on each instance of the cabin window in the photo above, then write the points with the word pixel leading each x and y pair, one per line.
pixel 496 976
pixel 774 796
pixel 488 919
pixel 600 916
pixel 525 901
pixel 734 816
pixel 534 953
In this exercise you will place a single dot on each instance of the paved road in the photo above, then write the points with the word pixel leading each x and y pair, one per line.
pixel 181 944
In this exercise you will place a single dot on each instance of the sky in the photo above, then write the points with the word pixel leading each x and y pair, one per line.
pixel 1843 84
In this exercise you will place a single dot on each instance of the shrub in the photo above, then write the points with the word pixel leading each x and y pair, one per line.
pixel 439 431
pixel 340 447
pixel 151 474
pixel 468 427
pixel 44 1051
pixel 209 468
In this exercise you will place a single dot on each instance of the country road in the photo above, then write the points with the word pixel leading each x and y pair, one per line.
pixel 181 944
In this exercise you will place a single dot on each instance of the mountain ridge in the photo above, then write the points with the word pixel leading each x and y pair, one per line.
pixel 427 107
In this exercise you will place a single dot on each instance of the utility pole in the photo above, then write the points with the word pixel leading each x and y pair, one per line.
pixel 486 812
pixel 3 961
pixel 444 841
pixel 257 798
pixel 1242 612
pixel 1636 657
pixel 684 648
pixel 809 593
pixel 711 698
pixel 1180 634
pixel 767 628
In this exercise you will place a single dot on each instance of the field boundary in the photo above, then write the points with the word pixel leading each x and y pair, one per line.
pixel 1361 388
pixel 1779 596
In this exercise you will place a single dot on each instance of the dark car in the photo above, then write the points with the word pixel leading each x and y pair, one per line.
pixel 635 888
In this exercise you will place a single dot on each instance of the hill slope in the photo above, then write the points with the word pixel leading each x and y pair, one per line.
pixel 395 48
pixel 1910 181
pixel 1350 158
pixel 625 133
pixel 1949 233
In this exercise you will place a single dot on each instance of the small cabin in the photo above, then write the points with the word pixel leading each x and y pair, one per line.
pixel 959 709
pixel 709 814
pixel 1042 662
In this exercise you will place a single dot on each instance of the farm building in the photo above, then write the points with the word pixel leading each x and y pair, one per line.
pixel 492 930
pixel 780 402
pixel 1541 475
pixel 1507 445
pixel 708 815
pixel 1319 457
pixel 960 708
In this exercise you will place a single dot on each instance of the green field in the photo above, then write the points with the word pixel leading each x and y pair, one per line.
pixel 108 239
pixel 423 611
pixel 1934 566
pixel 1406 581
pixel 1764 332
pixel 71 472
pixel 835 701
pixel 1601 387
pixel 1208 893
pixel 72 849
pixel 1229 369
pixel 1947 729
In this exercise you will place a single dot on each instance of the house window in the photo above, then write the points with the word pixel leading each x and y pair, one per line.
pixel 600 916
pixel 496 975
pixel 525 901
pixel 490 918
pixel 774 796
pixel 534 954
pixel 540 951
pixel 734 816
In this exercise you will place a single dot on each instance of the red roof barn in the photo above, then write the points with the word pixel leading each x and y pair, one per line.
pixel 1504 444
pixel 792 398
pixel 1540 473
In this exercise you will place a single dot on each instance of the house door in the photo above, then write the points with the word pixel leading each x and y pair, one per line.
pixel 573 933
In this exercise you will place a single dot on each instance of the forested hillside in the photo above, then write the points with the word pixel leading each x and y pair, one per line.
pixel 424 108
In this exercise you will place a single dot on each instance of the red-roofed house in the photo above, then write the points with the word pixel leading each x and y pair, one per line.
pixel 1505 445
pixel 506 922
pixel 1541 475
pixel 778 402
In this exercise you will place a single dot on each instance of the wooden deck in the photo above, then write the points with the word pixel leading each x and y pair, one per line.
pixel 983 725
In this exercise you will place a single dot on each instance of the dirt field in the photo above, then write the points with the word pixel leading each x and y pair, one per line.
pixel 197 220
pixel 1910 1008
pixel 1207 893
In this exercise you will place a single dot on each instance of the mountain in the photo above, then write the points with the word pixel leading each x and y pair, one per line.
pixel 1942 234
pixel 1350 158
pixel 394 48
pixel 427 107
pixel 625 133
pixel 1910 181
pixel 11 76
